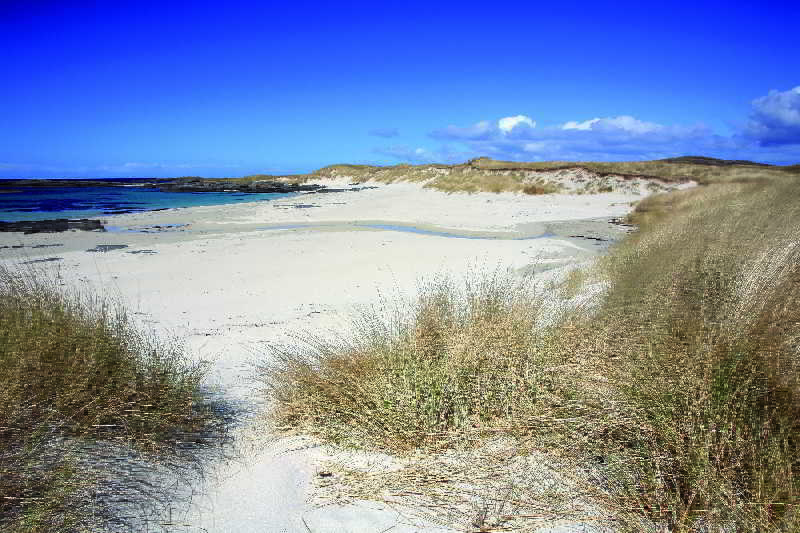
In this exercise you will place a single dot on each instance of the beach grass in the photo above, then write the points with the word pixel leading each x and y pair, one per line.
pixel 74 369
pixel 488 175
pixel 680 390
pixel 700 333
pixel 458 356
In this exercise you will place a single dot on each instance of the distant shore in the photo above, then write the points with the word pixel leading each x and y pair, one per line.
pixel 190 184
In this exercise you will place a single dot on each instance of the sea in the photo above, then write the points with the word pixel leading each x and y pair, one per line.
pixel 41 203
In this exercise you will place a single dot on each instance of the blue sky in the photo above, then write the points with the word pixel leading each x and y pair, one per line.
pixel 169 88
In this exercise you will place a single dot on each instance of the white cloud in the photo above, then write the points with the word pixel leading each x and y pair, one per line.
pixel 585 125
pixel 624 123
pixel 509 123
pixel 771 135
pixel 485 129
pixel 775 118
pixel 598 139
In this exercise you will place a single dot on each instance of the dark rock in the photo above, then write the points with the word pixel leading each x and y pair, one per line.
pixel 52 226
pixel 354 189
pixel 209 185
pixel 621 222
pixel 106 247
pixel 296 206
pixel 589 237
pixel 44 260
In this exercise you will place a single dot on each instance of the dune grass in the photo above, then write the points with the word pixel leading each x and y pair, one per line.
pixel 467 178
pixel 677 169
pixel 74 369
pixel 706 297
pixel 461 356
pixel 488 175
pixel 681 390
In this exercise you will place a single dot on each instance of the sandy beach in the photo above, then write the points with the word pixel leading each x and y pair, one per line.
pixel 233 280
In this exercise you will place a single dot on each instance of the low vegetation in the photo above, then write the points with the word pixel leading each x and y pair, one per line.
pixel 541 188
pixel 461 356
pixel 700 330
pixel 488 175
pixel 701 170
pixel 680 391
pixel 74 370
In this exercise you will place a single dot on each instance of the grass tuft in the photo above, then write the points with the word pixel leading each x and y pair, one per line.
pixel 706 295
pixel 541 188
pixel 462 357
pixel 74 369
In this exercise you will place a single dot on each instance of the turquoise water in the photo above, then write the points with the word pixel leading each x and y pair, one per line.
pixel 40 203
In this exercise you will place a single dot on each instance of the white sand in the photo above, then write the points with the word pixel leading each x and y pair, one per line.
pixel 230 287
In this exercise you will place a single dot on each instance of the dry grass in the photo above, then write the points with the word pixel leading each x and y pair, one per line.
pixel 701 332
pixel 488 175
pixel 437 382
pixel 572 284
pixel 471 182
pixel 73 369
pixel 668 170
pixel 680 393
pixel 502 485
pixel 460 357
pixel 536 188
pixel 446 178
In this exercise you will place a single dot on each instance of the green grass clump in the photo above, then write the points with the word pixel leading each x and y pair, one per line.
pixel 702 322
pixel 462 357
pixel 471 182
pixel 535 189
pixel 75 369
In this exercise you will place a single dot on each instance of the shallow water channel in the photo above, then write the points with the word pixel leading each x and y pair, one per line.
pixel 437 232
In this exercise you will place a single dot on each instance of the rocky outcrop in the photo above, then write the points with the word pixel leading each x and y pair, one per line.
pixel 210 185
pixel 52 226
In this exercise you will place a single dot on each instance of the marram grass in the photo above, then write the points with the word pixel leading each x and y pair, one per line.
pixel 73 368
pixel 462 356
pixel 681 391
